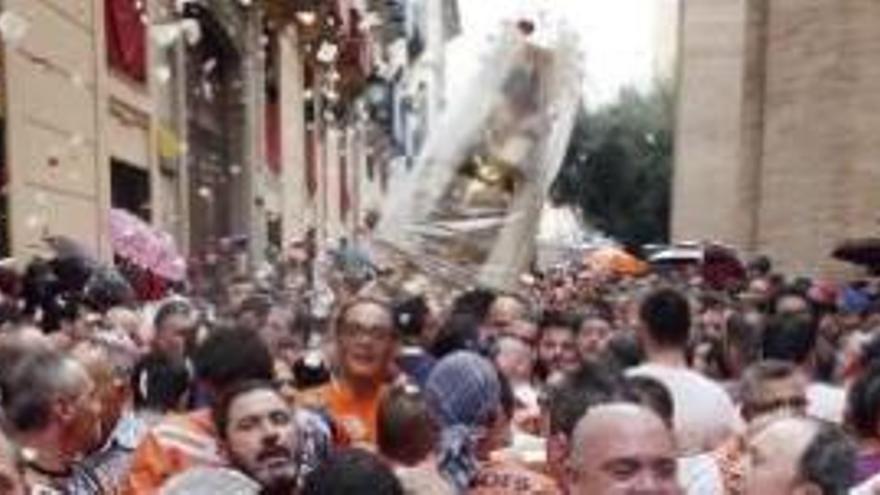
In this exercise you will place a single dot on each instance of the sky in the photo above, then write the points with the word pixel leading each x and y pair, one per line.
pixel 617 36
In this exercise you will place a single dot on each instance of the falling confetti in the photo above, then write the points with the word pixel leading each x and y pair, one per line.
pixel 209 66
pixel 208 90
pixel 165 35
pixel 327 52
pixel 205 192
pixel 235 169
pixel 192 31
pixel 13 27
pixel 162 74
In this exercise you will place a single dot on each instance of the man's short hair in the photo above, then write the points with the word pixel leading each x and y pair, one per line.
pixel 350 471
pixel 590 385
pixel 559 319
pixel 34 384
pixel 405 429
pixel 220 411
pixel 169 308
pixel 345 309
pixel 666 315
pixel 829 460
pixel 159 382
pixel 756 376
pixel 863 402
pixel 230 356
pixel 790 337
pixel 651 393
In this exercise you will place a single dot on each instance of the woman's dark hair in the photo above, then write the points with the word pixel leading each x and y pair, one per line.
pixel 475 302
pixel 352 472
pixel 863 403
pixel 231 356
pixel 460 332
pixel 405 429
pixel 159 382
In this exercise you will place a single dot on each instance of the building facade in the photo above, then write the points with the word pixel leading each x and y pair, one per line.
pixel 206 118
pixel 777 149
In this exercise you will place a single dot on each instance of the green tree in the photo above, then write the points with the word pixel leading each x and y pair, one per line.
pixel 618 167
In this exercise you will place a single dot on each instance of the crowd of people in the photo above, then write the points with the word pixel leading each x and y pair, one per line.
pixel 582 382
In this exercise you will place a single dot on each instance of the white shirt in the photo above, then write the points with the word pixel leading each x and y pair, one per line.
pixel 700 475
pixel 704 415
pixel 826 402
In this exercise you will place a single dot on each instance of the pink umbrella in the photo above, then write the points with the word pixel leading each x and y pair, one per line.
pixel 145 246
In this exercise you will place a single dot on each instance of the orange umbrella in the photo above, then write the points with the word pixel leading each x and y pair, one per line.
pixel 615 260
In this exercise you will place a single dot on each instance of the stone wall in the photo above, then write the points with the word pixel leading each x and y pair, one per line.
pixel 779 138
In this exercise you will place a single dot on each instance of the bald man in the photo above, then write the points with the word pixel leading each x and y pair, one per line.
pixel 622 449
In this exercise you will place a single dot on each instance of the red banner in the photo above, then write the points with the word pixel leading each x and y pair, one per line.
pixel 126 38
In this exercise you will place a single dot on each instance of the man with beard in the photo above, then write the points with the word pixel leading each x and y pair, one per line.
pixel 260 435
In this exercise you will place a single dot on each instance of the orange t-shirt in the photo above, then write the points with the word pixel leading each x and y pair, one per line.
pixel 355 414
pixel 504 478
pixel 173 446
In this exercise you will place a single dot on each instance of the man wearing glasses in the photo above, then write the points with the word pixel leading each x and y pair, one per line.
pixel 366 345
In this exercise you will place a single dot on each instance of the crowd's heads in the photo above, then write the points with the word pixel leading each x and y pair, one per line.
pixel 800 455
pixel 770 389
pixel 459 332
pixel 863 404
pixel 352 472
pixel 260 434
pixel 622 448
pixel 410 318
pixel 50 399
pixel 504 310
pixel 593 335
pixel 406 432
pixel 515 359
pixel 568 400
pixel 106 288
pixel 159 383
pixel 175 327
pixel 110 371
pixel 463 389
pixel 665 317
pixel 792 301
pixel 557 348
pixel 790 337
pixel 654 395
pixel 366 339
pixel 742 341
pixel 231 356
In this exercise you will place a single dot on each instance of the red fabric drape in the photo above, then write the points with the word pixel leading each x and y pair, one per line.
pixel 126 38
